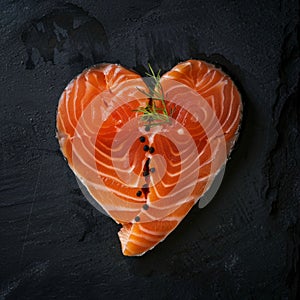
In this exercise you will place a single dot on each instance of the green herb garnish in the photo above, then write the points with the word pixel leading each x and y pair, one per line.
pixel 152 115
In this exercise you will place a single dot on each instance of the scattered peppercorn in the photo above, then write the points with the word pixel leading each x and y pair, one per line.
pixel 151 149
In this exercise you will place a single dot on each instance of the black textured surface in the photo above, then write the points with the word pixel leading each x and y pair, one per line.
pixel 244 245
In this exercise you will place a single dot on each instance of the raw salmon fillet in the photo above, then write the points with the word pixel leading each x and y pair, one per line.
pixel 147 179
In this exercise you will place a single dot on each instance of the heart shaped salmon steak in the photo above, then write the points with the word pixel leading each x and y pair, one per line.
pixel 146 152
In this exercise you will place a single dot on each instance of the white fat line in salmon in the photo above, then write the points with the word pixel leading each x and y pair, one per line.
pixel 148 231
pixel 211 79
pixel 112 168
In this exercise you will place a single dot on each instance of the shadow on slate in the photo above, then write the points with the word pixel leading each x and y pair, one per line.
pixel 67 35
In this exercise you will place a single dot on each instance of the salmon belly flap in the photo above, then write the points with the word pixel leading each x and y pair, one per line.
pixel 148 170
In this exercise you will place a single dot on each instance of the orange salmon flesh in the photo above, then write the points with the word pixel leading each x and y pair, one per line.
pixel 147 178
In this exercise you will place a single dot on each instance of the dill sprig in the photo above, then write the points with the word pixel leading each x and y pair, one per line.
pixel 152 115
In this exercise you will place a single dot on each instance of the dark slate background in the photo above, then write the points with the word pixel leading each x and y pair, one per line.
pixel 244 245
